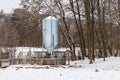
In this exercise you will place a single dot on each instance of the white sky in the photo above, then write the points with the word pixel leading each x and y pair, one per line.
pixel 9 5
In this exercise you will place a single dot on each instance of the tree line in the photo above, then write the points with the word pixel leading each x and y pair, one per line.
pixel 91 25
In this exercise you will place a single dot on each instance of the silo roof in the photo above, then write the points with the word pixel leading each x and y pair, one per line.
pixel 51 17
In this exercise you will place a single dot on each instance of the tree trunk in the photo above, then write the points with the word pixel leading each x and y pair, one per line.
pixel 89 31
pixel 79 27
pixel 65 31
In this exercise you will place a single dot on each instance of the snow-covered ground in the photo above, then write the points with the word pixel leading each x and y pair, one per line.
pixel 77 70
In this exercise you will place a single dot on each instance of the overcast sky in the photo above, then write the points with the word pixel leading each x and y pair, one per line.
pixel 9 5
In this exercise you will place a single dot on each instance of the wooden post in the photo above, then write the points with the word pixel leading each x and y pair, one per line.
pixel 0 60
pixel 68 56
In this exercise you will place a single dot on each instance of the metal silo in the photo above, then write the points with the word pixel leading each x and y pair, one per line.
pixel 50 33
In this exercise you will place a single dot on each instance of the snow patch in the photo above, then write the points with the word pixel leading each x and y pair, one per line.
pixel 77 70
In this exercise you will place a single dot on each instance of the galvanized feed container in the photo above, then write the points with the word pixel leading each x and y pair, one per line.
pixel 50 33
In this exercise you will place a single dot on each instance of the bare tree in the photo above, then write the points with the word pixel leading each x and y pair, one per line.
pixel 87 5
pixel 65 30
pixel 78 23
